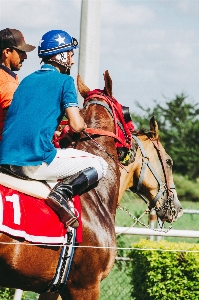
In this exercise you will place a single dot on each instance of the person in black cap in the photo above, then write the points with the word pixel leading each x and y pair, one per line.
pixel 13 50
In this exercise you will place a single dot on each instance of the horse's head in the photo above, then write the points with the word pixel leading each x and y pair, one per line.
pixel 108 127
pixel 107 116
pixel 150 175
pixel 94 114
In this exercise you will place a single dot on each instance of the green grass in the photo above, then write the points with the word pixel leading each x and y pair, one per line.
pixel 8 294
pixel 30 296
pixel 137 206
pixel 187 190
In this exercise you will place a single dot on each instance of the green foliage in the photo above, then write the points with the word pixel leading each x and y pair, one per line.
pixel 30 296
pixel 6 293
pixel 186 189
pixel 178 122
pixel 161 274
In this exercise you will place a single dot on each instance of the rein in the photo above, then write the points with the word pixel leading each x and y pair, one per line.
pixel 163 187
pixel 102 148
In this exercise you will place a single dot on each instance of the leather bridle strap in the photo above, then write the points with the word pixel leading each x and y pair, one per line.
pixel 104 132
pixel 111 101
pixel 156 145
pixel 109 110
pixel 146 163
pixel 99 103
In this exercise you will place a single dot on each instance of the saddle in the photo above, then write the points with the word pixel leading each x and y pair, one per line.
pixel 15 179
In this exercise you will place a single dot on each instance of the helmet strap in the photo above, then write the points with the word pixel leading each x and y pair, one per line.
pixel 62 60
pixel 68 71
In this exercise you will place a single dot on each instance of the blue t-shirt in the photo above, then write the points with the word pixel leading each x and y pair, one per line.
pixel 36 110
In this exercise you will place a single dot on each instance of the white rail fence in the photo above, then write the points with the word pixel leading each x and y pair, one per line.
pixel 151 232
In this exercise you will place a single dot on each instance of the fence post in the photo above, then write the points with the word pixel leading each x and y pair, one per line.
pixel 18 294
pixel 160 225
pixel 152 222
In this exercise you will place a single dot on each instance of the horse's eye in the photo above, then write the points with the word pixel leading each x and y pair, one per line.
pixel 169 162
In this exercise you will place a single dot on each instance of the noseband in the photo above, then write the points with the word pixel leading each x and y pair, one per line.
pixel 163 186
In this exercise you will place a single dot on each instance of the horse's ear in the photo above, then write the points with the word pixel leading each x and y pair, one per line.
pixel 154 128
pixel 108 84
pixel 82 88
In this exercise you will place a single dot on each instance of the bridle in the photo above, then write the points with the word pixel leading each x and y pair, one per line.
pixel 105 132
pixel 126 141
pixel 163 186
pixel 114 109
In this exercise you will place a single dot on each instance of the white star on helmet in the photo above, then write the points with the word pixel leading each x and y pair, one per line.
pixel 60 40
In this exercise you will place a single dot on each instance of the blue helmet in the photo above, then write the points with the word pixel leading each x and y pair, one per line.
pixel 56 41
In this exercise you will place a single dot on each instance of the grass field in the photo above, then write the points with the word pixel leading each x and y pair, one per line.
pixel 137 206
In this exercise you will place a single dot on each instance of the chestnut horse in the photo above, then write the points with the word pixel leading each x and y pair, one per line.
pixel 156 185
pixel 143 178
pixel 31 267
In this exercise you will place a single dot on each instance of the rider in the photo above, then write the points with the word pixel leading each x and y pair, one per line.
pixel 12 54
pixel 39 104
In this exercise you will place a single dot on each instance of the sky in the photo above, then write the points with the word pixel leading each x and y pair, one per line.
pixel 151 48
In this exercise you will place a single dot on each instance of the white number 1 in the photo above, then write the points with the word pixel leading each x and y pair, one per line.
pixel 16 206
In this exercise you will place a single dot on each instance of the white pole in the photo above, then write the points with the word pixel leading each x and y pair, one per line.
pixel 18 294
pixel 89 52
pixel 159 226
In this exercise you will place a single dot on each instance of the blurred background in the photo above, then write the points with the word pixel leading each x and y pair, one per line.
pixel 151 48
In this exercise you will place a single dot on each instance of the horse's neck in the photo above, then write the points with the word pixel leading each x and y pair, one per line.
pixel 98 117
pixel 133 169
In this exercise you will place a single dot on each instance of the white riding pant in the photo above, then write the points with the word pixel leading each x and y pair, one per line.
pixel 67 162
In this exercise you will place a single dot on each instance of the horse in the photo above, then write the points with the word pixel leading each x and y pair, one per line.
pixel 156 181
pixel 143 179
pixel 32 267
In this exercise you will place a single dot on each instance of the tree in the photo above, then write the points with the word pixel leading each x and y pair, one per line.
pixel 178 122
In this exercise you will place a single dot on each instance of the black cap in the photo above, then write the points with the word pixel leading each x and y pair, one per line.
pixel 13 38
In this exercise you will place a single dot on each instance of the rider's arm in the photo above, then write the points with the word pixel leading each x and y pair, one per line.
pixel 76 122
